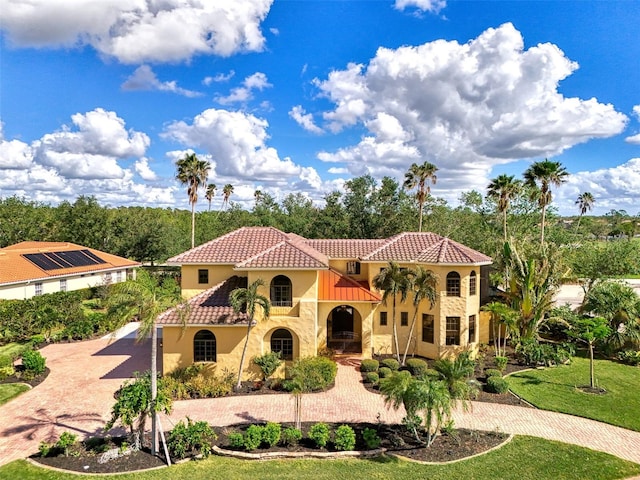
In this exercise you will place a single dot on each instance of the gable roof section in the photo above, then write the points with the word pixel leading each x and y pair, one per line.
pixel 211 307
pixel 286 255
pixel 346 248
pixel 333 286
pixel 16 268
pixel 425 248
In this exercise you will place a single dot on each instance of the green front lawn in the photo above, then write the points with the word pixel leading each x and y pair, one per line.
pixel 14 349
pixel 524 458
pixel 11 390
pixel 555 389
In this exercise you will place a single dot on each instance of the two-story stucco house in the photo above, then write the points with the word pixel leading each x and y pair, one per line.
pixel 321 295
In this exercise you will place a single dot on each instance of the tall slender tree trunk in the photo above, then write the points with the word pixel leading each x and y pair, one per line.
pixel 154 389
pixel 193 225
pixel 406 348
pixel 395 331
pixel 591 365
pixel 244 353
pixel 544 211
pixel 421 211
pixel 504 225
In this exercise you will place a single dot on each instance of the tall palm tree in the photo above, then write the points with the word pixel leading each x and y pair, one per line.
pixel 585 202
pixel 423 287
pixel 393 281
pixel 145 299
pixel 258 195
pixel 210 193
pixel 543 175
pixel 247 300
pixel 501 315
pixel 227 190
pixel 420 176
pixel 503 189
pixel 192 172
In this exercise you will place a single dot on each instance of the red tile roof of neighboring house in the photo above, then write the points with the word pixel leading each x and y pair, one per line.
pixel 269 248
pixel 211 307
pixel 333 286
pixel 16 268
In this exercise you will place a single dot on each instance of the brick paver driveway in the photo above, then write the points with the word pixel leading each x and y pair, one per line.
pixel 78 395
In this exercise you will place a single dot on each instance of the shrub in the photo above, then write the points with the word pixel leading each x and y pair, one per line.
pixel 384 372
pixel 311 374
pixel 79 328
pixel 630 357
pixel 391 363
pixel 33 362
pixel 345 438
pixel 492 372
pixel 271 433
pixel 371 438
pixel 236 440
pixel 253 437
pixel 432 373
pixel 268 363
pixel 372 377
pixel 369 365
pixel 7 371
pixel 193 438
pixel 497 385
pixel 320 434
pixel 176 389
pixel 44 449
pixel 209 386
pixel 501 363
pixel 417 367
pixel 290 436
pixel 66 441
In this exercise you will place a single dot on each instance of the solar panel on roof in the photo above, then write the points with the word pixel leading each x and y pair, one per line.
pixel 58 259
pixel 92 255
pixel 41 261
pixel 77 258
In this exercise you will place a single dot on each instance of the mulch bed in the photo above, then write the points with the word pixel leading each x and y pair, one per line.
pixel 19 378
pixel 88 463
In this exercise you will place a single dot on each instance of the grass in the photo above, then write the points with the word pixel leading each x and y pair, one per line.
pixel 11 390
pixel 14 349
pixel 522 459
pixel 555 389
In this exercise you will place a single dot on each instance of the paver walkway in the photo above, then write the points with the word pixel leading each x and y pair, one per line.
pixel 78 395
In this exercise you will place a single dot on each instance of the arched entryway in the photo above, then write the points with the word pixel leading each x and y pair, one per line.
pixel 344 330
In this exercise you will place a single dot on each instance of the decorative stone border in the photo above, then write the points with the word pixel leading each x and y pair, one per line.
pixel 279 455
pixel 89 474
pixel 397 455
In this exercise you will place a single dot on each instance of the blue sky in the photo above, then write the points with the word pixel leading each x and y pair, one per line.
pixel 101 98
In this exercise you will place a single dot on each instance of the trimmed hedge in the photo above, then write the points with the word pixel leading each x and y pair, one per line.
pixel 391 363
pixel 369 365
pixel 497 385
pixel 492 372
pixel 372 377
pixel 385 372
pixel 417 367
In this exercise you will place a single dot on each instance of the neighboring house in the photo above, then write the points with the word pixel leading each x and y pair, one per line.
pixel 28 269
pixel 321 295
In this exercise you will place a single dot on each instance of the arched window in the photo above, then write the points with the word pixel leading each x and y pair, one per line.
pixel 282 341
pixel 281 292
pixel 473 283
pixel 204 346
pixel 453 284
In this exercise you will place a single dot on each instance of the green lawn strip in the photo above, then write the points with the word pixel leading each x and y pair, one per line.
pixel 522 459
pixel 14 349
pixel 555 389
pixel 11 390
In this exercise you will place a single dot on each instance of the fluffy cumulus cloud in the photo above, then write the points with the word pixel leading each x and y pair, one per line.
pixel 613 188
pixel 137 31
pixel 304 119
pixel 83 159
pixel 465 107
pixel 244 93
pixel 635 139
pixel 145 79
pixel 423 5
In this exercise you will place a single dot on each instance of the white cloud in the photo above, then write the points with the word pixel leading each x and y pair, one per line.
pixel 305 120
pixel 465 107
pixel 274 31
pixel 139 31
pixel 636 111
pixel 237 143
pixel 221 77
pixel 142 168
pixel 145 79
pixel 425 5
pixel 257 81
pixel 634 139
pixel 612 188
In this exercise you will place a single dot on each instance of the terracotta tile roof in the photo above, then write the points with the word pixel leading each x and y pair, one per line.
pixel 333 286
pixel 269 248
pixel 211 307
pixel 345 248
pixel 15 268
pixel 427 248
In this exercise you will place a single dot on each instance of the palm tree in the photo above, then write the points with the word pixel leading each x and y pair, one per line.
pixel 393 281
pixel 258 195
pixel 585 202
pixel 247 300
pixel 420 176
pixel 545 173
pixel 456 374
pixel 210 193
pixel 423 286
pixel 227 190
pixel 503 189
pixel 145 299
pixel 501 314
pixel 193 173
